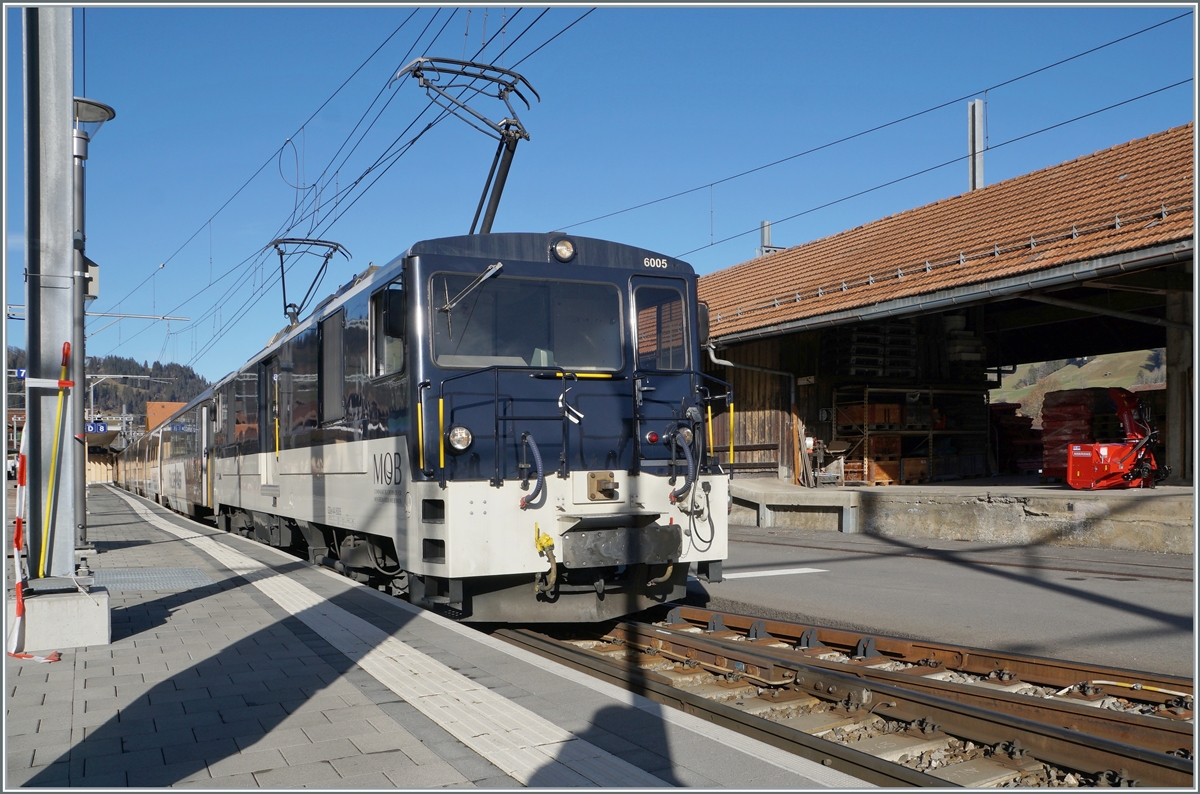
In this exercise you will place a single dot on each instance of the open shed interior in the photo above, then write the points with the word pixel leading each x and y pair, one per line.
pixel 906 399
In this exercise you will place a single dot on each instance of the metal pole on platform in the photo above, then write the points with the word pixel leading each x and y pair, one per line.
pixel 50 263
pixel 89 116
pixel 78 290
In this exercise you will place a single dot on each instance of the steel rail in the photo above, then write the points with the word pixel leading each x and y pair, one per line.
pixel 1043 671
pixel 1149 732
pixel 656 688
pixel 1047 742
pixel 1063 747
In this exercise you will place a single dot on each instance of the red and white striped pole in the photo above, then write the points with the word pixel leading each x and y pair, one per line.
pixel 16 635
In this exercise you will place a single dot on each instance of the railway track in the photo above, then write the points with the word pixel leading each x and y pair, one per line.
pixel 894 711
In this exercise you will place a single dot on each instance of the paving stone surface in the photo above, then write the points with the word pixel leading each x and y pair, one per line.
pixel 213 684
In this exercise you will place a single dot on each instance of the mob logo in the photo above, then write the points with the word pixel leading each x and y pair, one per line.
pixel 386 468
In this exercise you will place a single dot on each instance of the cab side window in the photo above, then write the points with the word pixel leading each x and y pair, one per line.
pixel 388 319
pixel 660 328
pixel 333 367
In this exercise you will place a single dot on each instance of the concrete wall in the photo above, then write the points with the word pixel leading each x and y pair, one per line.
pixel 100 468
pixel 1155 520
pixel 1143 520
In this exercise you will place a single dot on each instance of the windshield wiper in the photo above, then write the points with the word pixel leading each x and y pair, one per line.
pixel 452 302
pixel 482 277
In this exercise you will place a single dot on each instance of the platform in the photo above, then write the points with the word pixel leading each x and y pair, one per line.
pixel 1015 510
pixel 234 665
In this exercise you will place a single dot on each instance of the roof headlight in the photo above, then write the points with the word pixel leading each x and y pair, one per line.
pixel 564 250
pixel 459 438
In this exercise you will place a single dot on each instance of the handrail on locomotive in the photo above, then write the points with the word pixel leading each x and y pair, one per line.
pixel 709 460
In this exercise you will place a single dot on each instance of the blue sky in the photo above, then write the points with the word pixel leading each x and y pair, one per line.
pixel 636 104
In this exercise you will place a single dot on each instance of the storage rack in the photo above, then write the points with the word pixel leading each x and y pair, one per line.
pixel 909 414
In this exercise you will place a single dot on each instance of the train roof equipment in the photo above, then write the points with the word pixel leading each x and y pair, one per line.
pixel 303 246
pixel 430 73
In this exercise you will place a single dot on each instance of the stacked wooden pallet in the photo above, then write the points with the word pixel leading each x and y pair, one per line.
pixel 882 350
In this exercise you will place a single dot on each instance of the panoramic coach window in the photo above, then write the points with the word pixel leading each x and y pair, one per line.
pixel 387 318
pixel 229 402
pixel 660 328
pixel 333 368
pixel 245 421
pixel 526 322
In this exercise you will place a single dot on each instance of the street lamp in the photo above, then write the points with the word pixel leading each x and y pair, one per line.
pixel 89 117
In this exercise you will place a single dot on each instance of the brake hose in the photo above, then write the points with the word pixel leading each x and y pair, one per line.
pixel 691 470
pixel 537 461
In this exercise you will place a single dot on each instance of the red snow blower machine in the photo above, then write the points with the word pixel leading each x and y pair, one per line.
pixel 1125 464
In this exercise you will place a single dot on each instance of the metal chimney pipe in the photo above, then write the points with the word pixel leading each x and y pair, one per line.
pixel 765 229
pixel 975 144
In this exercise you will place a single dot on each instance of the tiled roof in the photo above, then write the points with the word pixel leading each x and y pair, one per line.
pixel 1133 196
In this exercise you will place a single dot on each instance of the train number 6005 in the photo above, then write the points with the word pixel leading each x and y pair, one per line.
pixel 649 262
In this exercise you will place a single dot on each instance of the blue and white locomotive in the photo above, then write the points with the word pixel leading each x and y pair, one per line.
pixel 509 427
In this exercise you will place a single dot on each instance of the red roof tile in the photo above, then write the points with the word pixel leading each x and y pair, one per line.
pixel 1102 204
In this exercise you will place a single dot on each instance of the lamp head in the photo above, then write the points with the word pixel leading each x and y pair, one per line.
pixel 90 115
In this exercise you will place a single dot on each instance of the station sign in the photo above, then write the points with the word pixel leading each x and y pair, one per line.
pixel 97 427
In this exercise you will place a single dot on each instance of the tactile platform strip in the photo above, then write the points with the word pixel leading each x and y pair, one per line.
pixel 151 578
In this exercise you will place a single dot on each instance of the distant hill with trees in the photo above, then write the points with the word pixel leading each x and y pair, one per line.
pixel 169 383
pixel 1030 383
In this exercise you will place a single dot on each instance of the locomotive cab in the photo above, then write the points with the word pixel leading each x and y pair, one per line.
pixel 560 461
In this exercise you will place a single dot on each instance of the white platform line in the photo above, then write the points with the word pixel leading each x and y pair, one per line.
pixel 775 572
pixel 534 748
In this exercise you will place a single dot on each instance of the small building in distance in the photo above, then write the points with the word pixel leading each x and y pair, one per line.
pixel 157 412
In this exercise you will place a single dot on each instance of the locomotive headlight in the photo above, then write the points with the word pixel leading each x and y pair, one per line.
pixel 459 438
pixel 564 250
pixel 685 435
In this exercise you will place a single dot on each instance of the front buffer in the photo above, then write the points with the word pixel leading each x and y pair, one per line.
pixel 577 553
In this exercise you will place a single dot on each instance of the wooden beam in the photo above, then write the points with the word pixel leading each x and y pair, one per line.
pixel 1089 309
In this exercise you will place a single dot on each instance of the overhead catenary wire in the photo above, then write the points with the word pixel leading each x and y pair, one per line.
pixel 342 209
pixel 274 154
pixel 254 260
pixel 250 302
pixel 923 171
pixel 443 114
pixel 350 135
pixel 338 194
pixel 876 128
pixel 380 160
pixel 263 288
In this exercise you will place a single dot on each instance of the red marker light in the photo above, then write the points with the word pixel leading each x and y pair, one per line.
pixel 652 437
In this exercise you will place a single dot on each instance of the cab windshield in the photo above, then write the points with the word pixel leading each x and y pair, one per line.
pixel 507 321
